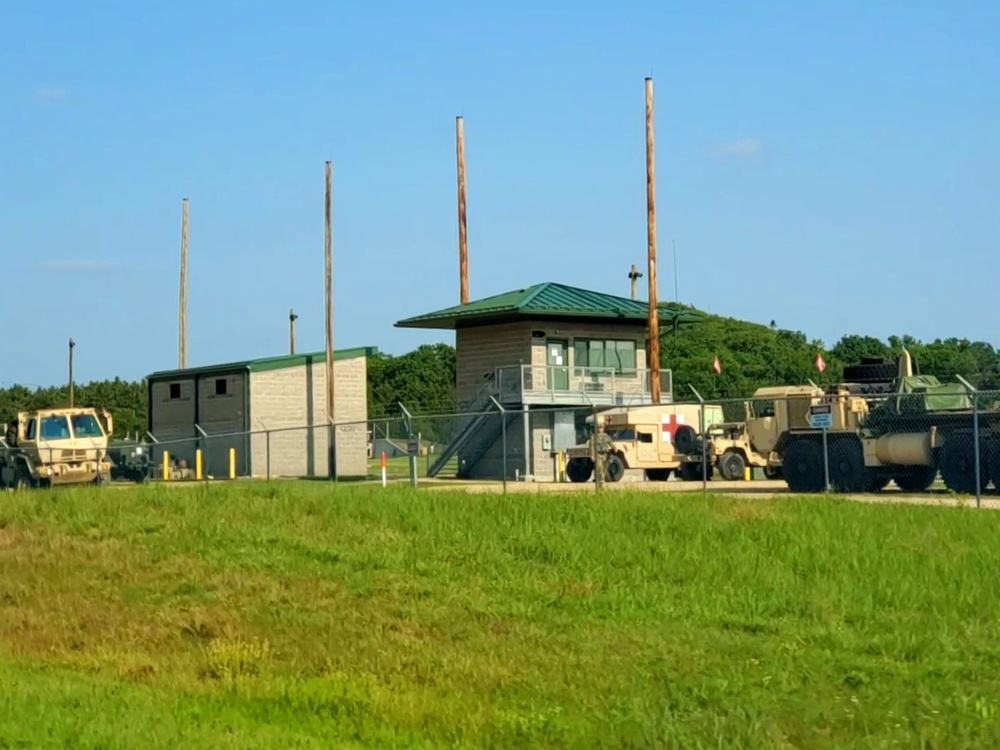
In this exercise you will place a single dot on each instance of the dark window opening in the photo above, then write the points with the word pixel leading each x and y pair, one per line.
pixel 220 387
pixel 175 390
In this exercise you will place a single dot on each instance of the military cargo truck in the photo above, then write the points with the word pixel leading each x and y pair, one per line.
pixel 641 437
pixel 49 447
pixel 905 436
pixel 732 446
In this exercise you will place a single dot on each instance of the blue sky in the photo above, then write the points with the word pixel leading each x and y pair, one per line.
pixel 835 169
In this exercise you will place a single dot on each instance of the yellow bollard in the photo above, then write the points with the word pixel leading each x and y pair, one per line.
pixel 197 464
pixel 232 463
pixel 166 465
pixel 747 474
pixel 562 467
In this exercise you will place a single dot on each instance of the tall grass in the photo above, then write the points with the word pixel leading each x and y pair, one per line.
pixel 307 615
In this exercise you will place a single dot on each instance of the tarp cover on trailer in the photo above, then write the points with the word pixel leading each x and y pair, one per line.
pixel 921 393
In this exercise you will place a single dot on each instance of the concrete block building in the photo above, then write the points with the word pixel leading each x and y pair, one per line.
pixel 532 349
pixel 235 403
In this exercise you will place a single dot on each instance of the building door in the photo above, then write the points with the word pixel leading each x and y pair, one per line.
pixel 558 364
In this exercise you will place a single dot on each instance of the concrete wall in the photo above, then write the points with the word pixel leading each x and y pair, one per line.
pixel 480 351
pixel 177 405
pixel 294 397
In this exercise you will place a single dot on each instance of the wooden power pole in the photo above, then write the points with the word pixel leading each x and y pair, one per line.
pixel 292 317
pixel 654 320
pixel 327 252
pixel 182 312
pixel 463 248
pixel 634 275
pixel 71 345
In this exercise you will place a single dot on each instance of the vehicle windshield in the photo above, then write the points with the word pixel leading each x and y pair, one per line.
pixel 762 407
pixel 86 426
pixel 621 433
pixel 55 428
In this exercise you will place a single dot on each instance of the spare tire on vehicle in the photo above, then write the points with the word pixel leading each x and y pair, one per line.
pixel 686 440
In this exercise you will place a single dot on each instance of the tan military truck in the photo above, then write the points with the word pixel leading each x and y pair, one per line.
pixel 732 446
pixel 640 437
pixel 51 447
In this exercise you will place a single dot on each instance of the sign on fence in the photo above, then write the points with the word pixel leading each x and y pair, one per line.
pixel 821 416
pixel 412 448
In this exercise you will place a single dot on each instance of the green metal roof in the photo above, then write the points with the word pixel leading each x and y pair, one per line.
pixel 265 364
pixel 541 301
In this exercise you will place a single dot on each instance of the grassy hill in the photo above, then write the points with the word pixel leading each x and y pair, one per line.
pixel 297 616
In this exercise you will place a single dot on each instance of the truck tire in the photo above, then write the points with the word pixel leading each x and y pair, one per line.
pixel 773 472
pixel 732 466
pixel 685 440
pixel 958 465
pixel 579 469
pixel 847 466
pixel 614 468
pixel 915 478
pixel 691 472
pixel 802 466
pixel 994 464
pixel 658 475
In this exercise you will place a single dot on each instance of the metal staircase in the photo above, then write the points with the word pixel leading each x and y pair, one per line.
pixel 477 432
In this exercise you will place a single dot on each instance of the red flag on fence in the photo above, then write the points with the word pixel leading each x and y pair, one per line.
pixel 716 366
pixel 820 364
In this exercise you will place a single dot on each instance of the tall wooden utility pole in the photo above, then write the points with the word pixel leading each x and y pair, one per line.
pixel 71 345
pixel 634 275
pixel 327 252
pixel 654 320
pixel 292 317
pixel 463 248
pixel 182 311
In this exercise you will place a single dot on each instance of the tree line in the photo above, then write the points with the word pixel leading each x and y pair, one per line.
pixel 750 356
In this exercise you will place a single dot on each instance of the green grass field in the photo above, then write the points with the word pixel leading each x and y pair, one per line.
pixel 303 615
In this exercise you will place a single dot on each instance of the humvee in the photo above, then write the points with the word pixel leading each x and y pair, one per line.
pixel 49 447
pixel 640 437
pixel 732 446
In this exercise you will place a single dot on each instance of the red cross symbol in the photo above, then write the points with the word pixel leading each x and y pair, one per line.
pixel 670 423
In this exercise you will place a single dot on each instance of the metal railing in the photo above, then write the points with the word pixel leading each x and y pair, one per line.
pixel 558 383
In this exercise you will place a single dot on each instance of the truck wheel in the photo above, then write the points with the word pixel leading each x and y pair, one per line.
pixel 614 468
pixel 847 466
pixel 994 463
pixel 685 440
pixel 802 466
pixel 732 466
pixel 579 469
pixel 773 472
pixel 658 475
pixel 915 479
pixel 877 482
pixel 958 465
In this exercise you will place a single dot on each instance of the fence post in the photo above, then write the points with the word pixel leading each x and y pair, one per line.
pixel 598 463
pixel 826 463
pixel 503 445
pixel 203 436
pixel 704 443
pixel 267 451
pixel 975 439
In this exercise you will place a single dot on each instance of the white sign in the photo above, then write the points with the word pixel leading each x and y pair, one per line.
pixel 821 416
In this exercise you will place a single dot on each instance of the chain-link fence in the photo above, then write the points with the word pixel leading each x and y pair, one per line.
pixel 914 435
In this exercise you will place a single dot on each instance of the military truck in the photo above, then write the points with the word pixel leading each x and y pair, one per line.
pixel 905 434
pixel 50 447
pixel 732 446
pixel 640 437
